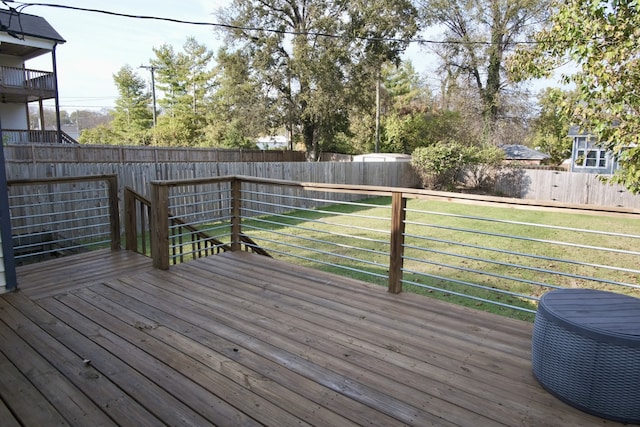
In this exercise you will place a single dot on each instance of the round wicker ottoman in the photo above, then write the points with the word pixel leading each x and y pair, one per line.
pixel 586 351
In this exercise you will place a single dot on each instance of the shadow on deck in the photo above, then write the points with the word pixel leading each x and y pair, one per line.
pixel 239 339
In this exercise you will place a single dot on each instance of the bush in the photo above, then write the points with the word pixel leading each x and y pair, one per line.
pixel 438 165
pixel 483 164
pixel 443 165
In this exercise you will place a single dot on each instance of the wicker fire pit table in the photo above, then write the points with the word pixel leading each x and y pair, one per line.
pixel 586 351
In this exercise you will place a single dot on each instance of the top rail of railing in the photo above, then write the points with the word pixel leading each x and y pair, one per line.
pixel 415 193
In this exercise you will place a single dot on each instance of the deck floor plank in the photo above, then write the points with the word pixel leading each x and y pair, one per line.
pixel 240 339
pixel 215 354
pixel 235 332
pixel 388 357
pixel 382 363
pixel 36 282
pixel 51 383
pixel 104 379
pixel 28 405
pixel 175 371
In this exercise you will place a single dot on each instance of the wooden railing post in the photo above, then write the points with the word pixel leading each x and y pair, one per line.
pixel 160 225
pixel 114 212
pixel 130 221
pixel 236 194
pixel 396 260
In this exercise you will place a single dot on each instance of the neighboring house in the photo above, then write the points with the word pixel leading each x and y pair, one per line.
pixel 24 37
pixel 278 142
pixel 521 154
pixel 587 156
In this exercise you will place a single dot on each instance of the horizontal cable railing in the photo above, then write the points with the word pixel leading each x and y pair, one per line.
pixel 55 217
pixel 486 252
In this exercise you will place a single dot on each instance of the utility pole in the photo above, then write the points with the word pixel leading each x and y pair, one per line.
pixel 152 69
pixel 377 144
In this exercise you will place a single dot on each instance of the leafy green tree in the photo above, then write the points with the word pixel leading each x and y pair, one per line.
pixel 239 111
pixel 132 117
pixel 604 49
pixel 128 123
pixel 551 127
pixel 313 57
pixel 101 134
pixel 479 35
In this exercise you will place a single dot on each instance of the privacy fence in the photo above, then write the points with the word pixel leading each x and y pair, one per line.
pixel 51 153
pixel 135 167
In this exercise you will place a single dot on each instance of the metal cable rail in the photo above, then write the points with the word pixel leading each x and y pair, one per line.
pixel 488 259
pixel 74 214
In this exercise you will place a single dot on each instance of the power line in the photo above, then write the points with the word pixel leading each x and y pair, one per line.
pixel 268 30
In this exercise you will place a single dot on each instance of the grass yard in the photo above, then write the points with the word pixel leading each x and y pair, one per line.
pixel 449 250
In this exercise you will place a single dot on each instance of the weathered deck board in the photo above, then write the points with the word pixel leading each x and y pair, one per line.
pixel 36 280
pixel 239 339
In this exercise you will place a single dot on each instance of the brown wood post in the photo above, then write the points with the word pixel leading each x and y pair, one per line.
pixel 398 216
pixel 160 225
pixel 236 194
pixel 130 221
pixel 114 212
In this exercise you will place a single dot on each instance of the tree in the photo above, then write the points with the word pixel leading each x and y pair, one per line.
pixel 239 111
pixel 132 117
pixel 101 134
pixel 551 126
pixel 49 114
pixel 312 57
pixel 407 101
pixel 479 36
pixel 186 81
pixel 604 50
pixel 89 119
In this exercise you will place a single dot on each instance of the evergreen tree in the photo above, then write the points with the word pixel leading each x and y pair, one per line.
pixel 132 117
pixel 185 80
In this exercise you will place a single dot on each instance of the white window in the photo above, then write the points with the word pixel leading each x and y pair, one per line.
pixel 589 157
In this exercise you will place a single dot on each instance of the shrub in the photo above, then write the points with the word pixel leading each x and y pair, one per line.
pixel 443 165
pixel 439 164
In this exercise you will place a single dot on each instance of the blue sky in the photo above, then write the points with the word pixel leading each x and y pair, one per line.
pixel 98 45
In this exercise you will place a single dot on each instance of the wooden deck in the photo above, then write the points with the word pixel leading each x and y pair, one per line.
pixel 240 340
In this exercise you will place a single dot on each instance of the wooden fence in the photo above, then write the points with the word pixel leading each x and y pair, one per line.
pixel 50 153
pixel 138 175
pixel 572 188
pixel 137 166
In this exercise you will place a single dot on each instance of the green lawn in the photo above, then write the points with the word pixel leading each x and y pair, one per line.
pixel 353 241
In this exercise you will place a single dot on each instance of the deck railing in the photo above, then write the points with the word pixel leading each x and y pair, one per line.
pixel 60 216
pixel 186 237
pixel 31 136
pixel 503 253
pixel 482 251
pixel 27 79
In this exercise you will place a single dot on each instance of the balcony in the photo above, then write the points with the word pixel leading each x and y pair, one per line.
pixel 18 85
pixel 28 136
